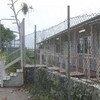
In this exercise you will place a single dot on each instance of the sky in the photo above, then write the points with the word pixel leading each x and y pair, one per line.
pixel 47 13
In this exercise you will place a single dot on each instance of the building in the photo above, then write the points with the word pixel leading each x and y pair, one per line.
pixel 84 46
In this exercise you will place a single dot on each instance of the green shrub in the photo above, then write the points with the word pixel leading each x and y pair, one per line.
pixel 13 68
pixel 11 57
pixel 49 86
pixel 30 57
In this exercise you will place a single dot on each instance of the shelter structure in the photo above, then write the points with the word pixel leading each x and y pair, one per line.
pixel 84 46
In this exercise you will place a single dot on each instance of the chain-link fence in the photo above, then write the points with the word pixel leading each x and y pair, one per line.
pixel 52 46
pixel 52 50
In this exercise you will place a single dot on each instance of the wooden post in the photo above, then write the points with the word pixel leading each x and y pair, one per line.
pixel 0 37
pixel 46 58
pixel 90 40
pixel 46 52
pixel 88 67
pixel 98 68
pixel 75 51
pixel 60 59
pixel 40 57
pixel 97 57
pixel 54 52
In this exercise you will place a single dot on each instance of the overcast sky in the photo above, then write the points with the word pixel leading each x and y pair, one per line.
pixel 47 13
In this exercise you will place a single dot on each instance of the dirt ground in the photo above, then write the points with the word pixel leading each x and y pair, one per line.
pixel 14 94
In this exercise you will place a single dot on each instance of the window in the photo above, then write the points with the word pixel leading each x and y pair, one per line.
pixel 80 45
pixel 57 48
pixel 83 45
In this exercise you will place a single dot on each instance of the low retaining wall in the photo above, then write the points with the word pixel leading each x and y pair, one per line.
pixel 14 79
pixel 56 85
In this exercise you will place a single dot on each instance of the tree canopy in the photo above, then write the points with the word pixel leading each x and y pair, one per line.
pixel 6 35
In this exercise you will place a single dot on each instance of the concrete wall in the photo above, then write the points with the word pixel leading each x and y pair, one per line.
pixel 14 80
pixel 81 89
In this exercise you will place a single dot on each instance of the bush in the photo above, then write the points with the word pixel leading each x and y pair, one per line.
pixel 49 86
pixel 30 57
pixel 13 68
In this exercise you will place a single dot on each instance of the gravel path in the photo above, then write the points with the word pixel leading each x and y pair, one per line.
pixel 14 94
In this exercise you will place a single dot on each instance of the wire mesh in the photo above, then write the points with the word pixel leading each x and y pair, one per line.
pixel 12 50
pixel 52 46
pixel 44 34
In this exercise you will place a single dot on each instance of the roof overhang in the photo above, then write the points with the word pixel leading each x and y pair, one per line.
pixel 93 20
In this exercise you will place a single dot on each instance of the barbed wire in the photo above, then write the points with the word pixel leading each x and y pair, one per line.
pixel 44 34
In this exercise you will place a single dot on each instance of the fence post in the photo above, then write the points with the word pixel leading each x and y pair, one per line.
pixel 68 70
pixel 22 43
pixel 35 47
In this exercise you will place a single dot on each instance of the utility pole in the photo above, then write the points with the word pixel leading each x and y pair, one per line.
pixel 0 37
pixel 22 43
pixel 35 47
pixel 68 70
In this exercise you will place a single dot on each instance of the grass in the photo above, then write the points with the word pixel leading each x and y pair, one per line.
pixel 35 96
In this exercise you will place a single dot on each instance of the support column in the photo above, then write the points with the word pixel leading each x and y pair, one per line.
pixel 47 52
pixel 46 57
pixel 54 51
pixel 2 72
pixel 90 42
pixel 35 52
pixel 61 60
pixel 40 57
pixel 61 64
pixel 86 58
pixel 97 57
pixel 98 68
pixel 75 51
pixel 85 66
pixel 88 67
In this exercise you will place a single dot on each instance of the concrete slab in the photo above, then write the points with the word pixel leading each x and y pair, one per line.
pixel 13 94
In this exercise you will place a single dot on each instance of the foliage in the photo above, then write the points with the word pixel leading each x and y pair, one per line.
pixel 24 8
pixel 29 53
pixel 13 68
pixel 82 92
pixel 30 57
pixel 6 35
pixel 3 55
pixel 48 86
pixel 12 56
pixel 42 85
